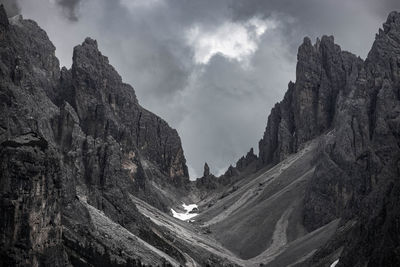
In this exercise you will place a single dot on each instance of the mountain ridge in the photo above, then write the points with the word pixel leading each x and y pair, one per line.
pixel 65 145
pixel 357 102
pixel 88 176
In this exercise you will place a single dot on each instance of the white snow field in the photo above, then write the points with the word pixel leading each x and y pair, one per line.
pixel 187 215
pixel 334 263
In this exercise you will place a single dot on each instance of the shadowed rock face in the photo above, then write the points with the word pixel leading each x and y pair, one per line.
pixel 31 172
pixel 74 141
pixel 30 180
pixel 308 107
pixel 206 170
pixel 357 171
pixel 355 105
pixel 358 177
pixel 108 107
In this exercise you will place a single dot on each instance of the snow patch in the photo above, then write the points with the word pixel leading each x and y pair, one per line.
pixel 189 207
pixel 187 215
pixel 334 263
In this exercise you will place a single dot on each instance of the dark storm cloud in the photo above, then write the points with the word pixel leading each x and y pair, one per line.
pixel 383 7
pixel 351 22
pixel 219 106
pixel 70 8
pixel 11 6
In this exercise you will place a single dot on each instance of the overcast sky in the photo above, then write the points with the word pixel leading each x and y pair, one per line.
pixel 211 68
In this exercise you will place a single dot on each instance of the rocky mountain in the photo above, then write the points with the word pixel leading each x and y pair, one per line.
pixel 357 176
pixel 88 176
pixel 330 152
pixel 75 145
pixel 354 104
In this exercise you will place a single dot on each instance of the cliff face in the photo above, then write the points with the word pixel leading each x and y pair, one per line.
pixel 75 145
pixel 30 202
pixel 308 107
pixel 108 107
pixel 30 168
pixel 356 178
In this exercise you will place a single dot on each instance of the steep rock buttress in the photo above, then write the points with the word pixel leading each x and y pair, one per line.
pixel 75 146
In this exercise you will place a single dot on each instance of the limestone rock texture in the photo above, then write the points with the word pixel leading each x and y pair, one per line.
pixel 352 106
pixel 309 105
pixel 358 178
pixel 74 146
pixel 357 103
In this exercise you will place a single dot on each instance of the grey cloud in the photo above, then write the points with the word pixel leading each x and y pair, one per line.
pixel 11 6
pixel 353 23
pixel 381 8
pixel 228 104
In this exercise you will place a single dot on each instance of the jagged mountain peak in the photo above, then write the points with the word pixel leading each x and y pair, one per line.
pixel 3 17
pixel 206 170
pixel 108 106
pixel 88 52
pixel 323 40
pixel 387 43
pixel 87 58
pixel 320 43
pixel 90 42
pixel 392 22
pixel 308 108
pixel 103 147
pixel 344 113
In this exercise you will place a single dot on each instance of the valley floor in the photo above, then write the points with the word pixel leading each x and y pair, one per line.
pixel 266 206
